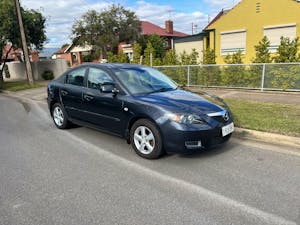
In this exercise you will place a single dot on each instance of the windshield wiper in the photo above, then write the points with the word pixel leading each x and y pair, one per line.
pixel 162 90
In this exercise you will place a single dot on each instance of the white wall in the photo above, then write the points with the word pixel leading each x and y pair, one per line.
pixel 188 46
pixel 17 69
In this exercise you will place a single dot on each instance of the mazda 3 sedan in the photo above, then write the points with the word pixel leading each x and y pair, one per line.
pixel 140 104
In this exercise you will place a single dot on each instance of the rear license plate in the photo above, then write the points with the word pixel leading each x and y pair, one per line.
pixel 228 129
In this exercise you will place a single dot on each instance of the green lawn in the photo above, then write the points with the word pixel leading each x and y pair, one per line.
pixel 21 85
pixel 269 117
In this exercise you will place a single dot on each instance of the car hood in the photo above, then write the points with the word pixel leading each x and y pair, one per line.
pixel 181 101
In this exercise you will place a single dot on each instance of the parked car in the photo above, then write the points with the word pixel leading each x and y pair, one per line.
pixel 140 104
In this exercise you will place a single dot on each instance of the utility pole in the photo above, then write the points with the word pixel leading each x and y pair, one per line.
pixel 24 44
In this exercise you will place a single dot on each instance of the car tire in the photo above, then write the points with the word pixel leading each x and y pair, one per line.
pixel 59 116
pixel 146 139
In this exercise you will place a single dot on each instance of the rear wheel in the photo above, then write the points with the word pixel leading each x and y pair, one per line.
pixel 146 139
pixel 59 116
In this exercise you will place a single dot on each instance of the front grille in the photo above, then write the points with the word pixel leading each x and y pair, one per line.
pixel 219 119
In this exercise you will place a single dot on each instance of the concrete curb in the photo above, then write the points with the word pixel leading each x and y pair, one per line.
pixel 272 138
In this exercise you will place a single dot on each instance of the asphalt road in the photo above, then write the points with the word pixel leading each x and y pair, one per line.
pixel 82 176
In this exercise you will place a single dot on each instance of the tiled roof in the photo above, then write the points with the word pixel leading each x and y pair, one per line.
pixel 61 51
pixel 150 28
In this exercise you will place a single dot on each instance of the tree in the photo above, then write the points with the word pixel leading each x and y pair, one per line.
pixel 34 26
pixel 287 50
pixel 105 30
pixel 285 76
pixel 209 75
pixel 157 42
pixel 120 58
pixel 262 52
pixel 64 45
pixel 170 58
pixel 137 50
pixel 148 53
pixel 235 58
pixel 262 55
pixel 189 59
pixel 209 56
pixel 234 74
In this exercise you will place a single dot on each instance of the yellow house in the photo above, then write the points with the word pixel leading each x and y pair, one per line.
pixel 242 27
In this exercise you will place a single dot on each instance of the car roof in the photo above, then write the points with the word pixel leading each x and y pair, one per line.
pixel 113 65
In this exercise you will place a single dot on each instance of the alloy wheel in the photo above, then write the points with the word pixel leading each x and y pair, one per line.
pixel 58 116
pixel 144 140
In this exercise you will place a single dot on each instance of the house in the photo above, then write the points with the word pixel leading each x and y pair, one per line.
pixel 243 26
pixel 62 54
pixel 16 55
pixel 188 43
pixel 148 28
pixel 72 53
pixel 167 32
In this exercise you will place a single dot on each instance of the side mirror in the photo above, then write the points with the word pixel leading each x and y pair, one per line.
pixel 107 87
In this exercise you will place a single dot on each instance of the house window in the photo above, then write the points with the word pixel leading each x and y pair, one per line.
pixel 274 33
pixel 233 41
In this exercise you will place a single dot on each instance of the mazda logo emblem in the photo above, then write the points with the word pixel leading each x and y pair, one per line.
pixel 226 116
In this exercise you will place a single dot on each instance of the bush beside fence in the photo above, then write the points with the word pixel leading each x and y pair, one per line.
pixel 273 76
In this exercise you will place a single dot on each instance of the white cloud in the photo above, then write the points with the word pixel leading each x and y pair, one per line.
pixel 218 5
pixel 61 15
pixel 158 14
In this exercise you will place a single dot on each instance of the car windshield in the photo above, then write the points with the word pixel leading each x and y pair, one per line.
pixel 144 80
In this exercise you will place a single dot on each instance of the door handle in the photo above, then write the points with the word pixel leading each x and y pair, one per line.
pixel 88 97
pixel 63 92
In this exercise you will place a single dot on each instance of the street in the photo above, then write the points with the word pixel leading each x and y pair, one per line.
pixel 82 176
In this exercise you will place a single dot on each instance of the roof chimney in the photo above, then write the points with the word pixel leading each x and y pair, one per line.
pixel 169 26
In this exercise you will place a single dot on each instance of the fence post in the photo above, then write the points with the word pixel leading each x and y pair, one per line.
pixel 263 77
pixel 188 77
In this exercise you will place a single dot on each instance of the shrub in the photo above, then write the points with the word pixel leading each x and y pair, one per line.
pixel 48 75
pixel 6 71
pixel 87 58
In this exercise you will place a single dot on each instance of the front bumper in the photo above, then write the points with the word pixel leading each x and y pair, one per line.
pixel 180 138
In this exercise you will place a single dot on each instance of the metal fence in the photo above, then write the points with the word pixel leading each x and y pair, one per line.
pixel 271 76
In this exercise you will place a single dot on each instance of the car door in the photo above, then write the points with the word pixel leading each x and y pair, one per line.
pixel 72 91
pixel 104 109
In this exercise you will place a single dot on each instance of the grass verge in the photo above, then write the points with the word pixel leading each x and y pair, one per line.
pixel 268 117
pixel 20 85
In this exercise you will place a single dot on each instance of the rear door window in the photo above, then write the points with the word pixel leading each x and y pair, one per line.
pixel 76 77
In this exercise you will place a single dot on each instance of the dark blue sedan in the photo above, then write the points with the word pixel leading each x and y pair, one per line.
pixel 140 104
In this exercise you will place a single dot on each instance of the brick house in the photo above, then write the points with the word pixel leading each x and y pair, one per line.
pixel 148 28
pixel 16 55
pixel 72 53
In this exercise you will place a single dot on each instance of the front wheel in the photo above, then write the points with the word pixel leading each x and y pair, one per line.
pixel 146 139
pixel 59 116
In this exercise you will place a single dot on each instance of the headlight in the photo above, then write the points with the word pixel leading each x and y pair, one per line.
pixel 186 118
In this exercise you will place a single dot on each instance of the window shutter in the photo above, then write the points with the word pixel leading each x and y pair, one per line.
pixel 274 34
pixel 233 41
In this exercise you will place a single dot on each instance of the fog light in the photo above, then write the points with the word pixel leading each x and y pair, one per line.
pixel 193 144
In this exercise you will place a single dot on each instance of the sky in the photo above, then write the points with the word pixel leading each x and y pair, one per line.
pixel 61 14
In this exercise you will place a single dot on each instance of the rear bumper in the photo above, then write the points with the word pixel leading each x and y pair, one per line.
pixel 179 138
